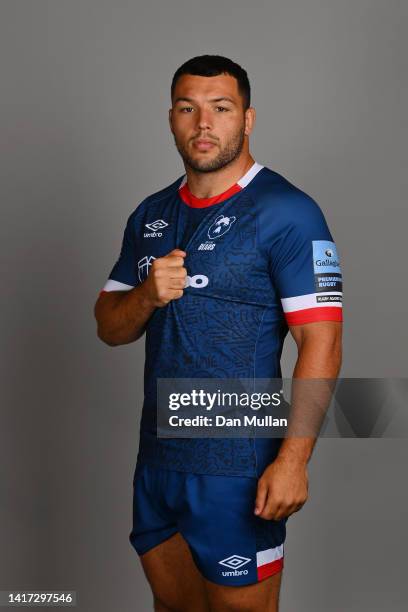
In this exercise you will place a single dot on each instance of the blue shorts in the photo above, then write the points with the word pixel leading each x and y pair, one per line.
pixel 228 542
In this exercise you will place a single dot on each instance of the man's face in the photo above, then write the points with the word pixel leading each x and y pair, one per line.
pixel 208 121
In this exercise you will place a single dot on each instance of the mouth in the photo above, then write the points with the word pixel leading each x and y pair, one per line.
pixel 203 145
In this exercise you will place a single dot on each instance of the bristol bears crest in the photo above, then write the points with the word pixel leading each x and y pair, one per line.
pixel 220 226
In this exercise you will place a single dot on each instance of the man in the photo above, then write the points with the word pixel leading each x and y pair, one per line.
pixel 216 268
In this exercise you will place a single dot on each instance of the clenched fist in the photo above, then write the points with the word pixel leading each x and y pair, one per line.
pixel 166 279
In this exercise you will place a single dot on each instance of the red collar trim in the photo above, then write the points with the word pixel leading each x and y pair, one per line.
pixel 195 202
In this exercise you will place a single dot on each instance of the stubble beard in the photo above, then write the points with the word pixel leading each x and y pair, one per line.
pixel 226 155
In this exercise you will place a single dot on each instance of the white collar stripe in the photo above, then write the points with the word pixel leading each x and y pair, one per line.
pixel 252 172
pixel 243 181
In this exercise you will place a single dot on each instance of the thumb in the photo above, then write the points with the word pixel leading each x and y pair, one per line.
pixel 178 252
pixel 260 500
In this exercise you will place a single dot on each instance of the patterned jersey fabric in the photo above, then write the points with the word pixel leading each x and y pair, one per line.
pixel 260 258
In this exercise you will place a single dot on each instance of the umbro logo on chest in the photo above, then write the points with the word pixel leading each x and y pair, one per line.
pixel 218 228
pixel 155 228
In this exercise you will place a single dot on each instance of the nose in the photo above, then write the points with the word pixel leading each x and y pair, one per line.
pixel 203 119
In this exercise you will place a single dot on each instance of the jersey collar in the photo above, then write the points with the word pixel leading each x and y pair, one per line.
pixel 192 200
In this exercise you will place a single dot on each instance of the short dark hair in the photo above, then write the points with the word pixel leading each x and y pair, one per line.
pixel 213 65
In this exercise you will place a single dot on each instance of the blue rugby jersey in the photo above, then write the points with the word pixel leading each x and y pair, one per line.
pixel 260 257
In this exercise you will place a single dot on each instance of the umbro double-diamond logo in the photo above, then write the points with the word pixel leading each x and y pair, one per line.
pixel 234 563
pixel 155 228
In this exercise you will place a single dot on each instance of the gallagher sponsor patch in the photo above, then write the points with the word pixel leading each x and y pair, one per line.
pixel 326 266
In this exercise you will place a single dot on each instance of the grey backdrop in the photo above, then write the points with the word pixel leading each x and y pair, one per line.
pixel 84 137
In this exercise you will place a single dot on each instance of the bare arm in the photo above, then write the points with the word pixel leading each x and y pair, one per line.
pixel 319 356
pixel 283 487
pixel 122 315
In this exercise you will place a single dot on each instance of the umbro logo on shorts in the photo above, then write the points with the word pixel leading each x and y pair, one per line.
pixel 234 563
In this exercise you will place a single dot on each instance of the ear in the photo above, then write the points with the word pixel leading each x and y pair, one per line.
pixel 170 120
pixel 250 116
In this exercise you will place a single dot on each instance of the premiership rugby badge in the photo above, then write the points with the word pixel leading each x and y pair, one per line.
pixel 326 267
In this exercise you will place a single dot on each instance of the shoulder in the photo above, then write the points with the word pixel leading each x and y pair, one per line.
pixel 286 215
pixel 279 199
pixel 158 197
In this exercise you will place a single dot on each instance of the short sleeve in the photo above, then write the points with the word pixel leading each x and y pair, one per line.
pixel 305 267
pixel 123 276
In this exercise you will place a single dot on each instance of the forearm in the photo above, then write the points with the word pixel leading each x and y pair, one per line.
pixel 316 360
pixel 122 315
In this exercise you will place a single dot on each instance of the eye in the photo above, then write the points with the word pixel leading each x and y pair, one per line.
pixel 186 108
pixel 222 108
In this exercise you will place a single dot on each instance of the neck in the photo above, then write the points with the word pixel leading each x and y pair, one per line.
pixel 210 184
